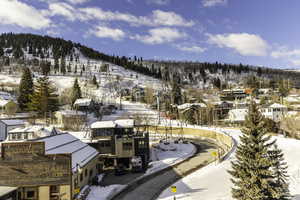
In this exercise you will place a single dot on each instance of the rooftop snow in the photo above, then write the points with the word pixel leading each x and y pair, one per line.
pixel 83 102
pixel 277 105
pixel 81 152
pixel 6 190
pixel 4 102
pixel 13 122
pixel 70 112
pixel 188 105
pixel 122 123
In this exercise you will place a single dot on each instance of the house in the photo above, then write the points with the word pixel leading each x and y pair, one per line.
pixel 8 106
pixel 83 104
pixel 292 101
pixel 275 111
pixel 118 142
pixel 70 119
pixel 221 108
pixel 6 96
pixel 233 94
pixel 7 125
pixel 237 116
pixel 8 193
pixel 54 167
pixel 30 132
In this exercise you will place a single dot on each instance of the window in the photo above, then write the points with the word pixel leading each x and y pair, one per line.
pixel 142 144
pixel 91 172
pixel 81 177
pixel 30 194
pixel 25 136
pixel 85 172
pixel 54 189
pixel 127 146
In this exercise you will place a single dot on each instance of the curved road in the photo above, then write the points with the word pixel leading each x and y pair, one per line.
pixel 153 186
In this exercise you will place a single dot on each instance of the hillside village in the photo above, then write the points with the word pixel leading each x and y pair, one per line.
pixel 65 122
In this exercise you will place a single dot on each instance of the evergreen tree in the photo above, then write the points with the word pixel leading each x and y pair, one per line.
pixel 43 99
pixel 94 81
pixel 25 89
pixel 56 64
pixel 252 174
pixel 176 93
pixel 76 92
pixel 1 52
pixel 63 65
pixel 279 167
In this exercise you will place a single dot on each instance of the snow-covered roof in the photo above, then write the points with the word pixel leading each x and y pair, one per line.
pixel 238 114
pixel 122 123
pixel 13 122
pixel 292 99
pixel 81 152
pixel 4 102
pixel 70 112
pixel 4 190
pixel 40 131
pixel 188 105
pixel 5 96
pixel 83 102
pixel 277 105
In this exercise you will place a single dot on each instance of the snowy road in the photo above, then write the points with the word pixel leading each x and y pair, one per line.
pixel 152 186
pixel 213 182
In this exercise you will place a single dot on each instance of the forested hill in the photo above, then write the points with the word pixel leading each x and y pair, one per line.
pixel 45 48
pixel 220 73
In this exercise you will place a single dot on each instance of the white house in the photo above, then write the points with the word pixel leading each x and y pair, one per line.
pixel 237 115
pixel 7 125
pixel 30 133
pixel 275 111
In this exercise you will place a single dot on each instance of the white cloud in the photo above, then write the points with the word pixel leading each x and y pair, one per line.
pixel 160 36
pixel 52 32
pixel 283 52
pixel 244 43
pixel 295 62
pixel 293 56
pixel 62 9
pixel 192 48
pixel 107 32
pixel 157 18
pixel 211 3
pixel 159 2
pixel 77 1
pixel 21 14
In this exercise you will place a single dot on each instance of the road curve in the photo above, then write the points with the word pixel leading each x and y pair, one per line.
pixel 152 186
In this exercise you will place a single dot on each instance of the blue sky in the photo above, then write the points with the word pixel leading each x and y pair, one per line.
pixel 255 32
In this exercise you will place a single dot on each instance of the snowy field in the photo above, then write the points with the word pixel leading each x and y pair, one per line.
pixel 213 182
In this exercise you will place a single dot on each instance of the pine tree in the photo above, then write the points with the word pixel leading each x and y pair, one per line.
pixel 94 81
pixel 176 93
pixel 76 92
pixel 43 99
pixel 279 167
pixel 63 65
pixel 1 52
pixel 252 175
pixel 25 89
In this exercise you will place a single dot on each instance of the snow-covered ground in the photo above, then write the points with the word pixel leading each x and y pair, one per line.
pixel 167 155
pixel 213 181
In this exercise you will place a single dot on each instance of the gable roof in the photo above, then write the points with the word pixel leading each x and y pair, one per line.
pixel 13 122
pixel 83 102
pixel 81 152
pixel 122 123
